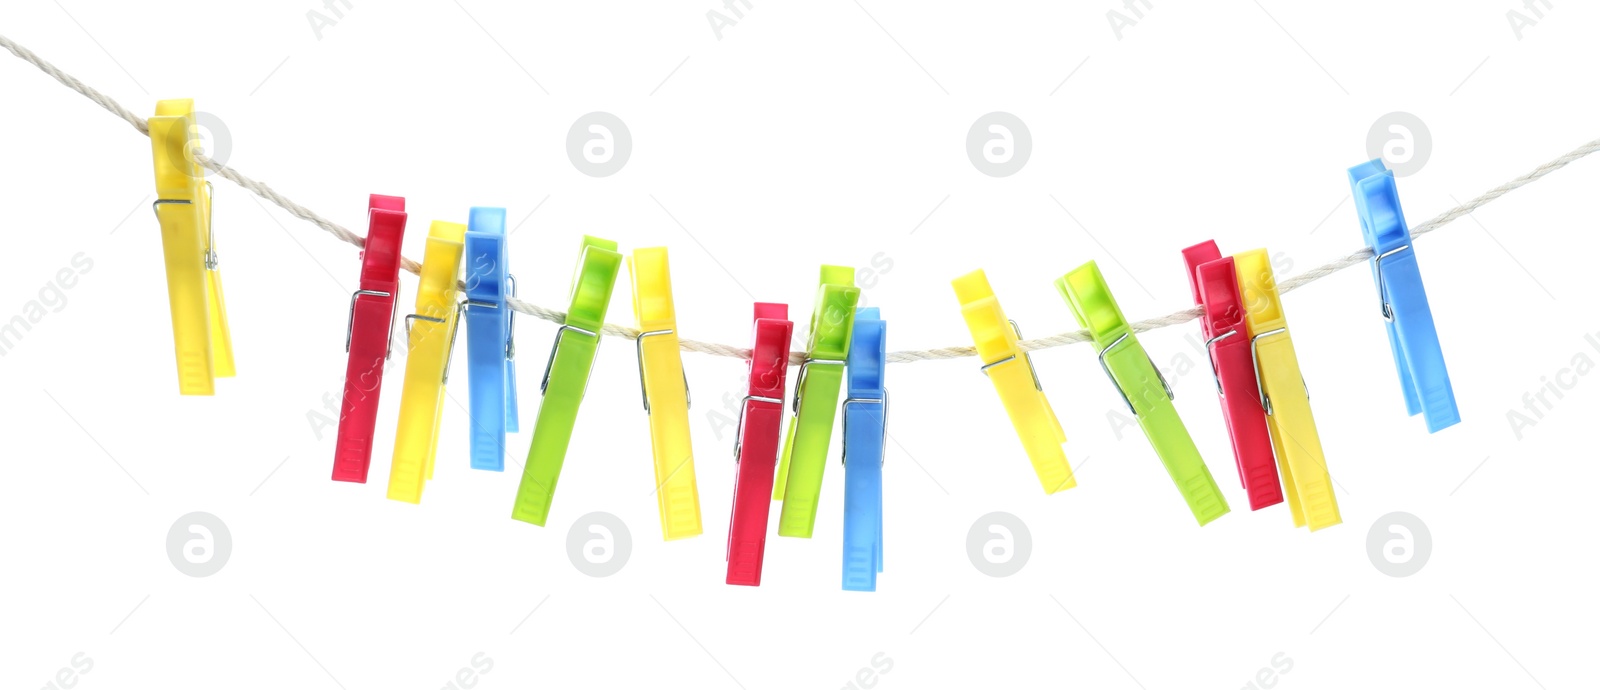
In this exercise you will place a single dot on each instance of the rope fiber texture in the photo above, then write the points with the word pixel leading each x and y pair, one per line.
pixel 1181 316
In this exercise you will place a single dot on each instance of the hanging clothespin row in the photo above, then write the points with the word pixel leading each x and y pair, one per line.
pixel 665 391
pixel 866 416
pixel 1142 387
pixel 366 340
pixel 1412 337
pixel 491 343
pixel 1215 285
pixel 755 448
pixel 816 399
pixel 430 338
pixel 1011 370
pixel 566 377
pixel 1307 486
pixel 194 285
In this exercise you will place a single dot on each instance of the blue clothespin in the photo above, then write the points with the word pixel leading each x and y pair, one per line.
pixel 491 344
pixel 1412 336
pixel 866 414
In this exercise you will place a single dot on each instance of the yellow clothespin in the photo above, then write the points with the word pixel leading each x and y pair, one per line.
pixel 665 390
pixel 1284 397
pixel 1014 379
pixel 194 286
pixel 430 335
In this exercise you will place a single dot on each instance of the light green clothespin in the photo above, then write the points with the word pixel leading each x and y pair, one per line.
pixel 816 398
pixel 566 376
pixel 1142 388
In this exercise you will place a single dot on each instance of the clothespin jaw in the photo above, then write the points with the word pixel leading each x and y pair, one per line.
pixel 1307 485
pixel 755 449
pixel 566 377
pixel 866 410
pixel 373 307
pixel 1142 387
pixel 430 337
pixel 200 334
pixel 491 344
pixel 665 391
pixel 816 398
pixel 1413 339
pixel 1011 370
pixel 1215 286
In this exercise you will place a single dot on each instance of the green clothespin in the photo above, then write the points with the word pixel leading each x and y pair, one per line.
pixel 816 398
pixel 1142 388
pixel 566 376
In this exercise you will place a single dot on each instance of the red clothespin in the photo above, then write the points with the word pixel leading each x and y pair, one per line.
pixel 756 446
pixel 372 313
pixel 1215 285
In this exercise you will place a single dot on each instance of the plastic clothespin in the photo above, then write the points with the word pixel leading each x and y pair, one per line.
pixel 1412 336
pixel 755 449
pixel 1011 371
pixel 566 377
pixel 1142 387
pixel 816 399
pixel 665 390
pixel 366 339
pixel 491 342
pixel 430 338
pixel 1284 396
pixel 866 416
pixel 194 285
pixel 1215 285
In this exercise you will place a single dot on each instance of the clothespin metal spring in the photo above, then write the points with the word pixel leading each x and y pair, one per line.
pixel 1211 355
pixel 350 327
pixel 448 351
pixel 844 430
pixel 738 441
pixel 1266 402
pixel 550 362
pixel 1383 288
pixel 1027 356
pixel 511 320
pixel 800 382
pixel 638 351
pixel 1102 358
pixel 210 255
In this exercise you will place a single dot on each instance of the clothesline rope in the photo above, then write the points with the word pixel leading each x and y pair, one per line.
pixel 1071 337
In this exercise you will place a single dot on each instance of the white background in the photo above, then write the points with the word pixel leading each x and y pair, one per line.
pixel 808 134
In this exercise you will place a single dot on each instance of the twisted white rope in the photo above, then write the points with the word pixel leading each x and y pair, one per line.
pixel 1175 318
